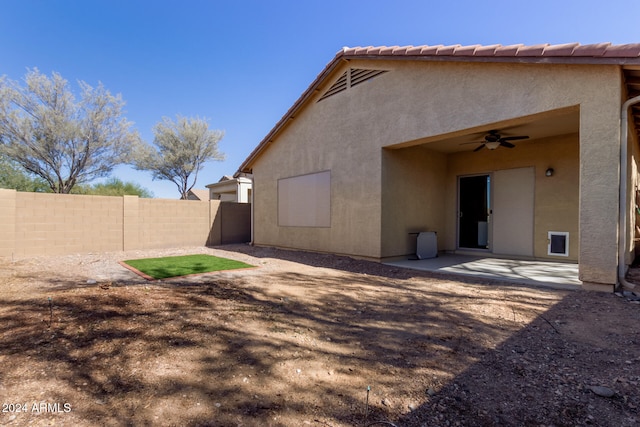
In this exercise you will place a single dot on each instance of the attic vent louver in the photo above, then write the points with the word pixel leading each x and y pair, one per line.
pixel 338 86
pixel 361 76
pixel 352 77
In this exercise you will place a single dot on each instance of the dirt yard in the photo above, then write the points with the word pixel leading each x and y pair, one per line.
pixel 307 340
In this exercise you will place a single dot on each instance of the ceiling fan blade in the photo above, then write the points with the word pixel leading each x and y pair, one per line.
pixel 506 144
pixel 479 148
pixel 472 142
pixel 514 138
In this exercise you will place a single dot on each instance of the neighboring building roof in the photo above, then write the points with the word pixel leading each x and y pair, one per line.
pixel 198 194
pixel 570 53
pixel 227 180
pixel 239 188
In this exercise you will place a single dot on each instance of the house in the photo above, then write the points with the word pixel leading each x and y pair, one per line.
pixel 197 194
pixel 513 151
pixel 230 189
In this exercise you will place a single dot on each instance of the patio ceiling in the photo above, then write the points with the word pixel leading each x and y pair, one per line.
pixel 537 127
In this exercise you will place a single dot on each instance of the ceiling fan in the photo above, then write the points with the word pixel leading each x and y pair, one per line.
pixel 493 140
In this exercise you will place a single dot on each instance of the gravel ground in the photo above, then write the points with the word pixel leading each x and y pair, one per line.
pixel 307 339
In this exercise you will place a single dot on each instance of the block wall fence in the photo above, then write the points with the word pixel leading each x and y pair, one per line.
pixel 59 224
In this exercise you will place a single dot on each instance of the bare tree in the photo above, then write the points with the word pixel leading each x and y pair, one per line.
pixel 64 141
pixel 181 149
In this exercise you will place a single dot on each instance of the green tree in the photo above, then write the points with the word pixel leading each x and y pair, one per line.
pixel 64 141
pixel 114 187
pixel 181 149
pixel 14 178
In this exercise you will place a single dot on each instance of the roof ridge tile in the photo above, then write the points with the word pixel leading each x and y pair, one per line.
pixel 488 50
pixel 630 50
pixel 594 49
pixel 466 50
pixel 414 50
pixel 509 50
pixel 565 49
pixel 362 50
pixel 430 50
pixel 447 50
pixel 387 50
pixel 532 50
pixel 401 50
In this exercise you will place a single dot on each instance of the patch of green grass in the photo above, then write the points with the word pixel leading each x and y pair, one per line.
pixel 173 266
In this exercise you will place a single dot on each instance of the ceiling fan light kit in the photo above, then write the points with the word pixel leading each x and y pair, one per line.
pixel 493 140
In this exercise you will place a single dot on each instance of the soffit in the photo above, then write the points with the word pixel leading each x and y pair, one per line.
pixel 536 127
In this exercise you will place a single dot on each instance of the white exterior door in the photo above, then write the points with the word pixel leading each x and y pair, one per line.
pixel 513 211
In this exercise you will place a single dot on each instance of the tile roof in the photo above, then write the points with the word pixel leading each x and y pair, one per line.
pixel 199 194
pixel 568 50
pixel 569 53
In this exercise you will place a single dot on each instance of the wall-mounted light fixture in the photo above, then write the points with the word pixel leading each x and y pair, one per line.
pixel 549 172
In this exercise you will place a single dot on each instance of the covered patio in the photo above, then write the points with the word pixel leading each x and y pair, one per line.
pixel 559 275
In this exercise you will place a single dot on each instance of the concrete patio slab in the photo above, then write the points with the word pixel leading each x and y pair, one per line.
pixel 552 274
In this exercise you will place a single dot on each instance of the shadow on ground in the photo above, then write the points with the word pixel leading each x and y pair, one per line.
pixel 294 349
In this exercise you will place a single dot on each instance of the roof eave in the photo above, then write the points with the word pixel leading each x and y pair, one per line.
pixel 572 53
pixel 246 166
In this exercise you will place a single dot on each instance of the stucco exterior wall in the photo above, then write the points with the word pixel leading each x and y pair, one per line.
pixel 556 198
pixel 415 101
pixel 427 198
pixel 599 178
pixel 333 135
pixel 414 182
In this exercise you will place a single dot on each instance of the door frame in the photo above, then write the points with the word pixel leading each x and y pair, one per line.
pixel 489 196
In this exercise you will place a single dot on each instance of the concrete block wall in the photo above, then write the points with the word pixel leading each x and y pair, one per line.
pixel 56 224
pixel 235 222
pixel 7 222
pixel 170 223
pixel 53 224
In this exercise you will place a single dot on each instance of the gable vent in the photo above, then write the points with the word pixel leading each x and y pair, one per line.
pixel 338 86
pixel 361 76
pixel 352 77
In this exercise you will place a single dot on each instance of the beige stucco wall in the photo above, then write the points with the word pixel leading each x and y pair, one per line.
pixel 599 178
pixel 414 182
pixel 427 200
pixel 334 138
pixel 419 100
pixel 556 198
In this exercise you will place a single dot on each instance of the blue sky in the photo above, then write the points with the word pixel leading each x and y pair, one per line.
pixel 241 64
